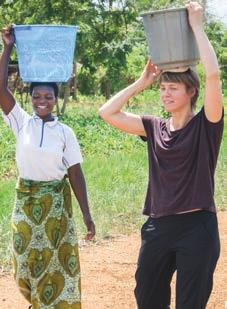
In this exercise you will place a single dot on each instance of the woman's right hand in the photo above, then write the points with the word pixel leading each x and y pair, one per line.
pixel 149 74
pixel 195 14
pixel 112 112
pixel 8 36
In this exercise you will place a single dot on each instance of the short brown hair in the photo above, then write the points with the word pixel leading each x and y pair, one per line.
pixel 189 78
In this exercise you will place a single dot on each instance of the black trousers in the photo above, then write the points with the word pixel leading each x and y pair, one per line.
pixel 188 243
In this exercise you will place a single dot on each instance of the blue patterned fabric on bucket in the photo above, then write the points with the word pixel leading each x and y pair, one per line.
pixel 45 52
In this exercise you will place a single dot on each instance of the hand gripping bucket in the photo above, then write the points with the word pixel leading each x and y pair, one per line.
pixel 45 52
pixel 170 38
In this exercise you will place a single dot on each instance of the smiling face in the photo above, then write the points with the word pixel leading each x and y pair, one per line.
pixel 179 88
pixel 43 100
pixel 175 96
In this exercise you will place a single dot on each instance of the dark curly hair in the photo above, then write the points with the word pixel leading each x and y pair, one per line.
pixel 47 84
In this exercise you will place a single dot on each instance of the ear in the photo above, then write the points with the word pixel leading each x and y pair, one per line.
pixel 192 92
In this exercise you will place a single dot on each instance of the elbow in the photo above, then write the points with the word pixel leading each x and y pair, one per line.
pixel 107 112
pixel 103 114
pixel 2 87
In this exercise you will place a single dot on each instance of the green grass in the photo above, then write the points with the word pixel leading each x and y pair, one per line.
pixel 7 194
pixel 7 151
pixel 221 173
pixel 116 190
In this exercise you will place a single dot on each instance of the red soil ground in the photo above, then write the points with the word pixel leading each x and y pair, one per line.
pixel 108 275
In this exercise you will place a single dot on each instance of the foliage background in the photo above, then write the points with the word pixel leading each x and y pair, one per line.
pixel 111 43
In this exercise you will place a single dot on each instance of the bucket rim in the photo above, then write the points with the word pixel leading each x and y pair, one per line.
pixel 29 26
pixel 163 11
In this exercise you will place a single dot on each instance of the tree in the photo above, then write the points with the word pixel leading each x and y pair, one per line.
pixel 44 12
pixel 102 40
pixel 106 44
pixel 110 30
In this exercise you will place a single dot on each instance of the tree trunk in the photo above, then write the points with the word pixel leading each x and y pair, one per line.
pixel 66 96
pixel 107 89
pixel 15 83
pixel 75 81
pixel 57 108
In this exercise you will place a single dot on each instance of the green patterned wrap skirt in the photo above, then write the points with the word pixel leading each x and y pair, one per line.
pixel 45 246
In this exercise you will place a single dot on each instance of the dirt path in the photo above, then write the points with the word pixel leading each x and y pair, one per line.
pixel 108 275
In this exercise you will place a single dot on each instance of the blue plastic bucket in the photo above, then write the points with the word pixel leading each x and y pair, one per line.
pixel 45 52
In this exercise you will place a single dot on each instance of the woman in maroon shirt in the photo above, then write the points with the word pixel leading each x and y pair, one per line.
pixel 181 233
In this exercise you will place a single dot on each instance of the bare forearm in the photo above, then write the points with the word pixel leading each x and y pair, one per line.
pixel 213 94
pixel 115 104
pixel 128 122
pixel 4 60
pixel 78 185
pixel 81 196
pixel 207 53
pixel 7 101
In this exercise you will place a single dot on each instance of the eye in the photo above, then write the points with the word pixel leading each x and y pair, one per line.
pixel 50 98
pixel 35 97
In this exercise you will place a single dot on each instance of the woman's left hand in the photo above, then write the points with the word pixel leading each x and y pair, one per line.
pixel 90 228
pixel 195 14
pixel 149 75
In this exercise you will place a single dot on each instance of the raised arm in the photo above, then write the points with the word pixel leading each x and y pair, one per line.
pixel 7 100
pixel 213 102
pixel 112 112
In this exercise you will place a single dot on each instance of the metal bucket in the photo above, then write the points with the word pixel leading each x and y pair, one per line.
pixel 170 38
pixel 45 52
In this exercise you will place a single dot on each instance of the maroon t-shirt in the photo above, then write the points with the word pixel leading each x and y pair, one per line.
pixel 181 165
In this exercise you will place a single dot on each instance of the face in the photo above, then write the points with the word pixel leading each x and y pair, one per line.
pixel 43 100
pixel 174 96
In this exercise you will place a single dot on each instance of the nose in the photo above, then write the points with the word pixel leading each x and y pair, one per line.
pixel 41 99
pixel 166 93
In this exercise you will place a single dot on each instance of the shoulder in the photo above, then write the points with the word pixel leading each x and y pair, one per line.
pixel 67 131
pixel 202 115
pixel 17 118
pixel 151 120
pixel 152 124
pixel 17 109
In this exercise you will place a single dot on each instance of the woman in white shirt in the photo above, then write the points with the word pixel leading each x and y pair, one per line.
pixel 45 246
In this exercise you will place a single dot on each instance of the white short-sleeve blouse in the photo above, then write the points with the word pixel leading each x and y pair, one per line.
pixel 44 150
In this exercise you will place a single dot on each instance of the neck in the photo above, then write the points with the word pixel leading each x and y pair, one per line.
pixel 46 118
pixel 180 119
